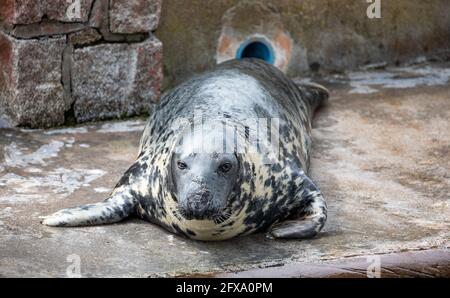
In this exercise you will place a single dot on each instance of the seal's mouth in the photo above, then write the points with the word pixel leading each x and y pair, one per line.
pixel 193 215
pixel 218 217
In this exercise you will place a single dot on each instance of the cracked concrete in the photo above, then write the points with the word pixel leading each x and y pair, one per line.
pixel 382 160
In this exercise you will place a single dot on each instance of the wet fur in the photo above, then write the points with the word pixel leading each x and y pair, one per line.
pixel 279 198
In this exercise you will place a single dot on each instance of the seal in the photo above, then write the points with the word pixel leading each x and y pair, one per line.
pixel 224 154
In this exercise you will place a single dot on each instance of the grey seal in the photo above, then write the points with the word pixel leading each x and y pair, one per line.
pixel 205 168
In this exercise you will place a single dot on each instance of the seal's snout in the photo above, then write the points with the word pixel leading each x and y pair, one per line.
pixel 199 205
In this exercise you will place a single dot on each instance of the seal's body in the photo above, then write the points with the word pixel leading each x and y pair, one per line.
pixel 240 184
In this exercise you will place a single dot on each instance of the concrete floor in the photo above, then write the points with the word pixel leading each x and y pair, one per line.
pixel 381 156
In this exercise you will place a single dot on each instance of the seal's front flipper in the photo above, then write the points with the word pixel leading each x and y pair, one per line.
pixel 123 202
pixel 120 205
pixel 309 220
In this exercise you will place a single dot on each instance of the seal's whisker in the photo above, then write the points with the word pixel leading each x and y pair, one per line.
pixel 179 213
pixel 222 216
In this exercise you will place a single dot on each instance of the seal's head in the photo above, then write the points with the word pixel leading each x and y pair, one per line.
pixel 203 180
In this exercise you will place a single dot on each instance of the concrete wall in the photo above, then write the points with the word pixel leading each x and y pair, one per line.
pixel 308 35
pixel 58 66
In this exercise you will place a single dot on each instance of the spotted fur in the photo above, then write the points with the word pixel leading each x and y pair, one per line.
pixel 277 197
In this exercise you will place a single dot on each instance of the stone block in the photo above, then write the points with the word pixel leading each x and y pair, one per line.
pixel 134 16
pixel 115 80
pixel 99 19
pixel 20 11
pixel 33 11
pixel 31 92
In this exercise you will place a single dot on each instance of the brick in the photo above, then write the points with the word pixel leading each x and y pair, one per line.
pixel 32 11
pixel 60 10
pixel 134 16
pixel 21 11
pixel 115 80
pixel 30 81
pixel 100 20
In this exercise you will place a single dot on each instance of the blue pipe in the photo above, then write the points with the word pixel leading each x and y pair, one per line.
pixel 256 48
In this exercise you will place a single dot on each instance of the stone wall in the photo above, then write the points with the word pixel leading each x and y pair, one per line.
pixel 66 61
pixel 309 36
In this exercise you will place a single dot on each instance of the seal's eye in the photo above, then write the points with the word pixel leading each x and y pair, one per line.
pixel 181 165
pixel 225 167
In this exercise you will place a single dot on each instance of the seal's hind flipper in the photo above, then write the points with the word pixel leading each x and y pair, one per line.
pixel 314 94
pixel 310 219
pixel 119 206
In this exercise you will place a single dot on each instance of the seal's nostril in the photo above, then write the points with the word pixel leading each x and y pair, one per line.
pixel 198 203
pixel 205 197
pixel 200 199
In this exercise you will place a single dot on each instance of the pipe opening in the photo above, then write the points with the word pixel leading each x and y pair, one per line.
pixel 256 49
